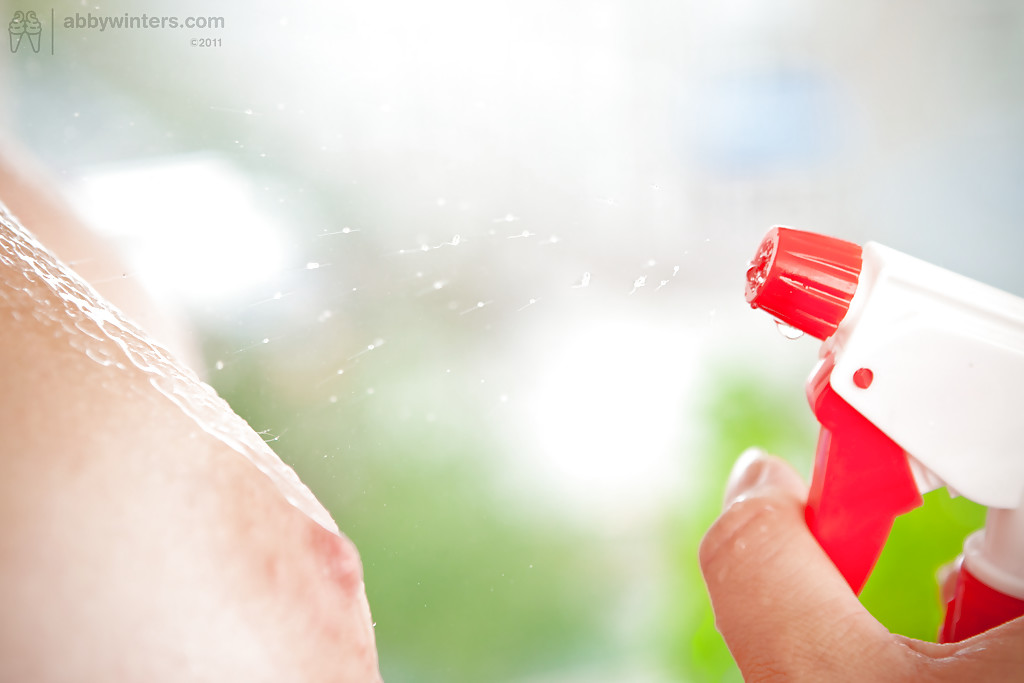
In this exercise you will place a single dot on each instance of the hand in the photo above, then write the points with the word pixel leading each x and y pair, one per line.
pixel 786 612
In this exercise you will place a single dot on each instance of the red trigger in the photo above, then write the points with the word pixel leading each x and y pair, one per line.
pixel 861 482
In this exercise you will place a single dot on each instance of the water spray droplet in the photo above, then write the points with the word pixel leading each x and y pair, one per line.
pixel 787 330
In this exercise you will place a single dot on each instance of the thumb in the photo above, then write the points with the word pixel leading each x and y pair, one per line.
pixel 779 602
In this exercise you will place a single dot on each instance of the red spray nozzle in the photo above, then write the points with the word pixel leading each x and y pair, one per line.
pixel 804 279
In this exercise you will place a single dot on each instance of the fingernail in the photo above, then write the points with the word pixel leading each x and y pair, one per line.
pixel 758 473
pixel 746 474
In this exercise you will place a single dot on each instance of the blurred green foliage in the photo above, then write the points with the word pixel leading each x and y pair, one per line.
pixel 903 592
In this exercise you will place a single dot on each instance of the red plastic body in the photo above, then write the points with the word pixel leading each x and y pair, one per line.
pixel 804 279
pixel 976 608
pixel 861 483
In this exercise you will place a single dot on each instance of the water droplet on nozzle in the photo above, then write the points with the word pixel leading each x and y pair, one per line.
pixel 788 331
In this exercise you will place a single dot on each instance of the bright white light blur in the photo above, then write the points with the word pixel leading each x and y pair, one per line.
pixel 609 412
pixel 190 227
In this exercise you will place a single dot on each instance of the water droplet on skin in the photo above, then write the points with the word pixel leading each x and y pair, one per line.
pixel 219 365
pixel 341 371
pixel 788 331
pixel 100 356
pixel 266 340
pixel 346 230
pixel 439 284
pixel 455 240
pixel 313 265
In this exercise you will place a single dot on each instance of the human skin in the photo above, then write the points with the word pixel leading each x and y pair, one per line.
pixel 787 614
pixel 33 196
pixel 146 532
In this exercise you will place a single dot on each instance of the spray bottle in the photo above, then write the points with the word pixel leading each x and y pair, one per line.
pixel 918 386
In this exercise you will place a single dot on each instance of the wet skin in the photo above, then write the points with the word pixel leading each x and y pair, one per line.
pixel 148 533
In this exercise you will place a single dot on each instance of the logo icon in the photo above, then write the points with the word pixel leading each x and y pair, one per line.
pixel 25 24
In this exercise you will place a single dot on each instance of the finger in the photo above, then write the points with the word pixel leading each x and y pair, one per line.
pixel 995 655
pixel 779 602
